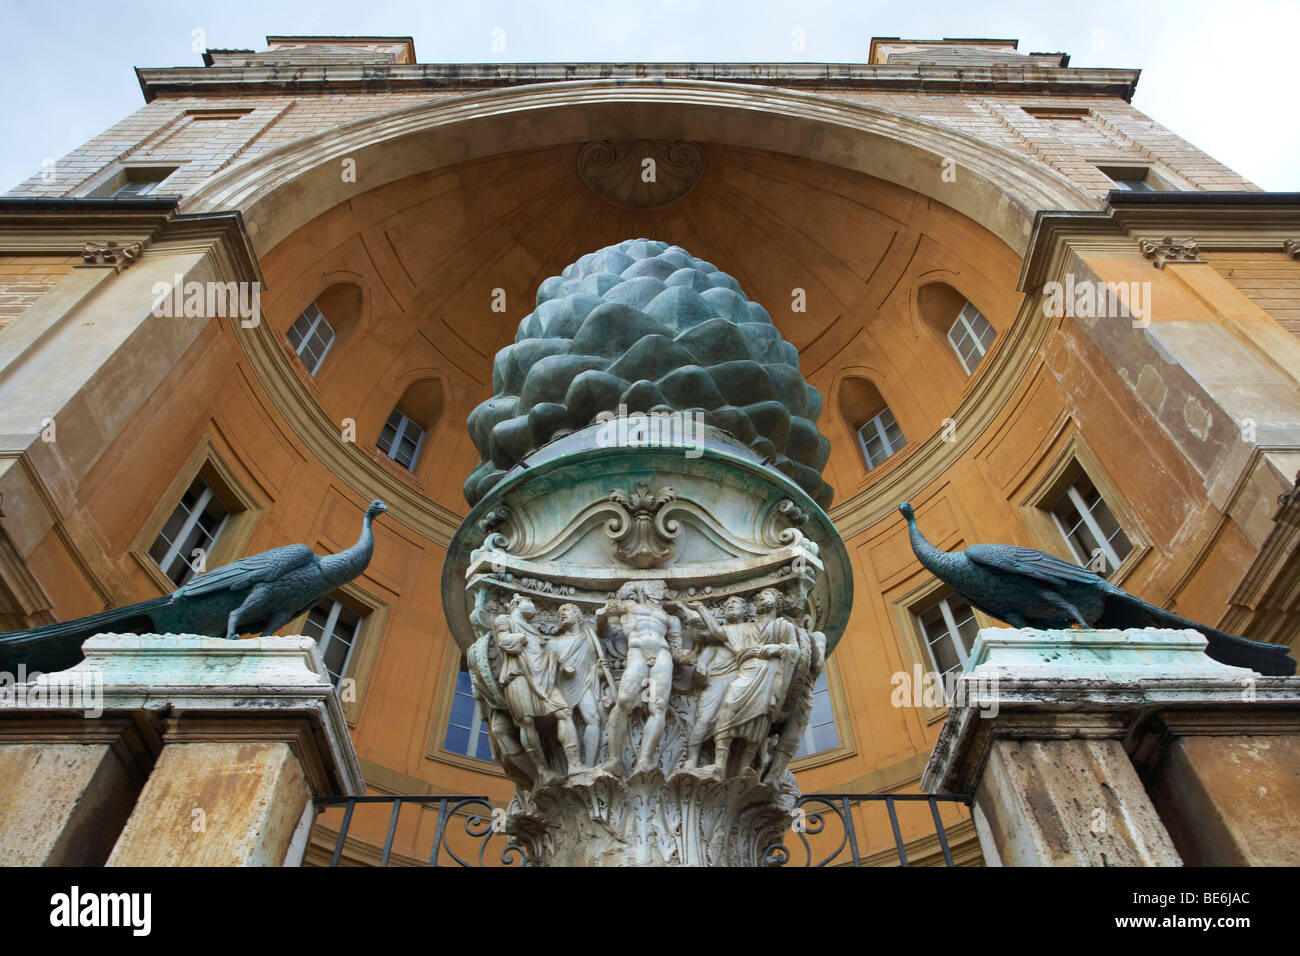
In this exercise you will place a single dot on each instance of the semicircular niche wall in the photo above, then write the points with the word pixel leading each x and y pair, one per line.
pixel 451 261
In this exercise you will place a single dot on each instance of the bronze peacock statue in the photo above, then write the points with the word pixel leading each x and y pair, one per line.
pixel 257 594
pixel 1030 588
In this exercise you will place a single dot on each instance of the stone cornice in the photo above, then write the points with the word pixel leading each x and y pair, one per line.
pixel 1222 221
pixel 309 77
pixel 1000 189
pixel 69 224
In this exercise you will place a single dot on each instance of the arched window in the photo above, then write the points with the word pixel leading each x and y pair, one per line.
pixel 412 419
pixel 325 324
pixel 968 333
pixel 865 412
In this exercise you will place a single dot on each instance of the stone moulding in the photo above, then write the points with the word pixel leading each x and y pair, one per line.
pixel 111 253
pixel 640 173
pixel 1005 189
pixel 1167 250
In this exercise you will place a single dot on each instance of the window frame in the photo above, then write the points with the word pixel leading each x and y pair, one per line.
pixel 1113 560
pixel 951 631
pixel 1067 456
pixel 113 180
pixel 970 330
pixel 399 432
pixel 843 724
pixel 907 608
pixel 373 612
pixel 434 748
pixel 315 324
pixel 328 634
pixel 881 433
pixel 1121 173
pixel 245 512
pixel 188 524
pixel 478 722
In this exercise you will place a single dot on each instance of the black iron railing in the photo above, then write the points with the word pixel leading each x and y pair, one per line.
pixel 480 828
pixel 838 807
pixel 814 829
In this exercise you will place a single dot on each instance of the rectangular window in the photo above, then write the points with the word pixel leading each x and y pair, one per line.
pixel 948 629
pixel 311 337
pixel 970 336
pixel 1058 113
pixel 139 188
pixel 134 181
pixel 1137 179
pixel 467 730
pixel 400 440
pixel 1090 527
pixel 880 437
pixel 335 627
pixel 820 735
pixel 194 525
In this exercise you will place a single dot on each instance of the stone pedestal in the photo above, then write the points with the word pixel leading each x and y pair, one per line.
pixel 191 751
pixel 643 629
pixel 1061 734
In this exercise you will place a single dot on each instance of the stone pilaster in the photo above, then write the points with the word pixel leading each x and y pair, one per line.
pixel 1059 735
pixel 1226 780
pixel 191 751
pixel 70 784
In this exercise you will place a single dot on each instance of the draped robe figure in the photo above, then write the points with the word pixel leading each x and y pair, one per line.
pixel 575 652
pixel 717 668
pixel 528 678
pixel 757 692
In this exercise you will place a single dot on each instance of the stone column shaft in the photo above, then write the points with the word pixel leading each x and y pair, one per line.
pixel 61 804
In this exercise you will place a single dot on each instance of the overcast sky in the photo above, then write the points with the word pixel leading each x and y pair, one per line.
pixel 1219 74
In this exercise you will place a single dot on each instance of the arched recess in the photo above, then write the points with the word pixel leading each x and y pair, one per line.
pixel 283 189
pixel 342 304
pixel 938 305
pixel 860 402
pixel 422 403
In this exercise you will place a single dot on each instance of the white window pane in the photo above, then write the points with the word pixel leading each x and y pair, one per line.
pixel 195 522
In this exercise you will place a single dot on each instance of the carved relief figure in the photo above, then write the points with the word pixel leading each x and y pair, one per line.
pixel 653 641
pixel 578 654
pixel 757 692
pixel 502 732
pixel 528 677
pixel 716 667
pixel 796 707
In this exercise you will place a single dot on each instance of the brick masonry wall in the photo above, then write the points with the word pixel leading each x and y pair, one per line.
pixel 24 279
pixel 183 131
pixel 1270 279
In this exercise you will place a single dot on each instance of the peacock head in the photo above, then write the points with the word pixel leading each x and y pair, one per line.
pixel 377 507
pixel 906 509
